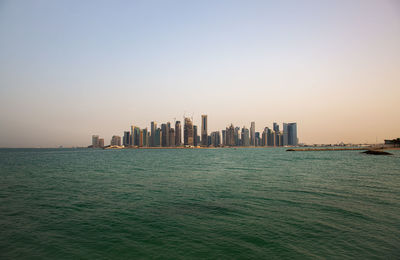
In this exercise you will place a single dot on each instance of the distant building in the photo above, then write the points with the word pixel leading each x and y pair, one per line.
pixel 195 136
pixel 245 136
pixel 257 139
pixel 275 127
pixel 101 142
pixel 285 134
pixel 157 137
pixel 223 137
pixel 126 139
pixel 215 139
pixel 230 135
pixel 153 133
pixel 292 134
pixel 144 137
pixel 115 140
pixel 164 135
pixel 188 135
pixel 253 134
pixel 237 136
pixel 204 134
pixel 178 133
pixel 171 137
pixel 95 141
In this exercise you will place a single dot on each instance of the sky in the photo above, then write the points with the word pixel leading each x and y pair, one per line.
pixel 71 69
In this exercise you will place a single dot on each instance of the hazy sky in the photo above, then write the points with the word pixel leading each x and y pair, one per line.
pixel 70 69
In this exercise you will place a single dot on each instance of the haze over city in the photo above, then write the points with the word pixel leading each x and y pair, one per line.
pixel 70 69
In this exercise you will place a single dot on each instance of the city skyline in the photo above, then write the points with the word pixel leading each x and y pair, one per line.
pixel 167 136
pixel 70 68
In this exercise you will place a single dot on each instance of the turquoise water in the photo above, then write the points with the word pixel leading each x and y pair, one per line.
pixel 216 204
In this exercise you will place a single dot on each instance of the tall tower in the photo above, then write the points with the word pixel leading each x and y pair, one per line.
pixel 188 138
pixel 178 133
pixel 292 134
pixel 253 134
pixel 204 135
pixel 153 133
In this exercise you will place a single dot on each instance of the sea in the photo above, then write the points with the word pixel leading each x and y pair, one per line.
pixel 245 203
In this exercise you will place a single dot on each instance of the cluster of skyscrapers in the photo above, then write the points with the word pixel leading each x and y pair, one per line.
pixel 171 136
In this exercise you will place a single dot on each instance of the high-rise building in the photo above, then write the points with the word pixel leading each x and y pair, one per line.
pixel 168 128
pixel 292 134
pixel 257 139
pixel 285 134
pixel 276 127
pixel 230 135
pixel 264 137
pixel 188 137
pixel 253 134
pixel 157 137
pixel 245 136
pixel 215 139
pixel 153 133
pixel 144 137
pixel 136 136
pixel 164 135
pixel 171 137
pixel 270 137
pixel 178 133
pixel 223 137
pixel 115 140
pixel 204 135
pixel 127 138
pixel 95 141
pixel 237 136
pixel 195 136
pixel 101 142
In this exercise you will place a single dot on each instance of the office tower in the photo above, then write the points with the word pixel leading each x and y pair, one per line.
pixel 264 137
pixel 237 136
pixel 148 138
pixel 285 134
pixel 252 134
pixel 115 140
pixel 144 139
pixel 230 135
pixel 171 137
pixel 164 135
pixel 153 133
pixel 223 137
pixel 101 142
pixel 178 133
pixel 292 134
pixel 257 139
pixel 270 137
pixel 278 139
pixel 141 138
pixel 215 139
pixel 195 137
pixel 188 137
pixel 281 139
pixel 204 135
pixel 157 137
pixel 276 127
pixel 95 141
pixel 136 136
pixel 132 141
pixel 168 128
pixel 209 140
pixel 245 136
pixel 127 138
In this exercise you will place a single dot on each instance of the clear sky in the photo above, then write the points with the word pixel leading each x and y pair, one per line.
pixel 70 69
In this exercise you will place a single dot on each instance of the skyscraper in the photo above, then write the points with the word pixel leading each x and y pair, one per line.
pixel 171 137
pixel 188 137
pixel 153 133
pixel 292 134
pixel 95 141
pixel 115 140
pixel 178 133
pixel 164 135
pixel 101 142
pixel 276 127
pixel 285 134
pixel 245 136
pixel 204 135
pixel 252 134
pixel 126 139
pixel 195 136
pixel 230 135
